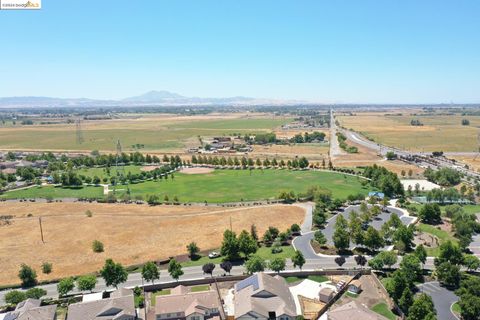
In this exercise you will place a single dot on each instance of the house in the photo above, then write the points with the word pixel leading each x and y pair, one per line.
pixel 261 296
pixel 355 286
pixel 119 306
pixel 184 304
pixel 326 294
pixel 353 310
pixel 30 309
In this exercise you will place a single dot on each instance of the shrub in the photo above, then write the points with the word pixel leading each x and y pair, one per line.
pixel 97 246
pixel 46 267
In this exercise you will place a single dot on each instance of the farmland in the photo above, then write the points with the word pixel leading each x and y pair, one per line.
pixel 220 186
pixel 438 133
pixel 155 133
pixel 165 231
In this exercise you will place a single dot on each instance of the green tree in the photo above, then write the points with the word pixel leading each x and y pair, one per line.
pixel 430 213
pixel 410 264
pixel 320 237
pixel 448 274
pixel 15 297
pixel 277 264
pixel 470 307
pixel 298 260
pixel 150 272
pixel 193 250
pixel 422 308
pixel 27 275
pixel 372 239
pixel 450 252
pixel 421 253
pixel 113 273
pixel 396 284
pixel 341 236
pixel 65 286
pixel 246 244
pixel 35 293
pixel 406 300
pixel 471 262
pixel 87 282
pixel 175 269
pixel 230 247
pixel 255 264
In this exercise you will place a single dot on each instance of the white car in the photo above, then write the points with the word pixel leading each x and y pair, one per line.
pixel 213 255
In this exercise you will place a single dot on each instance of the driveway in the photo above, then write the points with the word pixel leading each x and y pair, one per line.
pixel 442 299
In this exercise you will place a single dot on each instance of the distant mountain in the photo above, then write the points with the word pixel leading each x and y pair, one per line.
pixel 154 96
pixel 151 98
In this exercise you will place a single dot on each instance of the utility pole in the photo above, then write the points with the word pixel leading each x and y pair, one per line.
pixel 41 229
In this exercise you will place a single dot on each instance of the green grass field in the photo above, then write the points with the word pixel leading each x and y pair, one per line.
pixel 217 187
pixel 235 185
pixel 102 172
pixel 383 309
pixel 54 192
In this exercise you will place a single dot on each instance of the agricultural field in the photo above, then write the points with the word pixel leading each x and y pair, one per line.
pixel 314 152
pixel 222 186
pixel 154 133
pixel 438 133
pixel 165 231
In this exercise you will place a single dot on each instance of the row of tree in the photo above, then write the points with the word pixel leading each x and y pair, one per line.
pixel 301 162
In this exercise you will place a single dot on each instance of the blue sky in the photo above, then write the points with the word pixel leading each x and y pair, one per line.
pixel 356 51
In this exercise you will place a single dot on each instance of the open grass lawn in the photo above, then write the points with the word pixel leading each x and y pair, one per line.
pixel 103 172
pixel 442 236
pixel 439 132
pixel 472 208
pixel 316 278
pixel 155 132
pixel 237 185
pixel 383 309
pixel 456 308
pixel 55 192
pixel 217 187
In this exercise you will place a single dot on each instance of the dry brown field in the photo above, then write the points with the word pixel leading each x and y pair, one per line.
pixel 472 161
pixel 313 152
pixel 368 157
pixel 132 234
pixel 439 132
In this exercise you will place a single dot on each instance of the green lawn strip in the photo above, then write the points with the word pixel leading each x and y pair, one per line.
pixel 55 192
pixel 199 288
pixel 154 294
pixel 471 208
pixel 456 308
pixel 316 278
pixel 383 309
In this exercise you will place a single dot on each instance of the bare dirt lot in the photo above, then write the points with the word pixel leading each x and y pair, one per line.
pixel 132 234
pixel 196 170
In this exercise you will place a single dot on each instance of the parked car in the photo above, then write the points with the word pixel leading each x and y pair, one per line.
pixel 213 255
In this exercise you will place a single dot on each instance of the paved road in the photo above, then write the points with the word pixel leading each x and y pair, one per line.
pixel 442 299
pixel 335 149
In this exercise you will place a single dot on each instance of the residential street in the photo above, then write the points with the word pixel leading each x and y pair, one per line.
pixel 442 299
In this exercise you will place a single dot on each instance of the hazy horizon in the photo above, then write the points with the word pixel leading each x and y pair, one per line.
pixel 369 52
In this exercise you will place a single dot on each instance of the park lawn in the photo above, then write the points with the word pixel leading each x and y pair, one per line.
pixel 383 309
pixel 245 185
pixel 471 208
pixel 316 278
pixel 443 236
pixel 102 172
pixel 54 192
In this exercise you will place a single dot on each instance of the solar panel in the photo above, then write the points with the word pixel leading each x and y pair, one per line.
pixel 250 281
